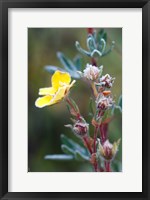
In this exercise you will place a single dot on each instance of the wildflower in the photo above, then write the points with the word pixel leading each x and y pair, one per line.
pixel 104 102
pixel 107 150
pixel 92 72
pixel 106 81
pixel 60 88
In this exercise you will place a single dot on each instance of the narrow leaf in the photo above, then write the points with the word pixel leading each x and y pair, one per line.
pixel 77 44
pixel 77 62
pixel 52 69
pixel 68 65
pixel 81 157
pixel 67 149
pixel 59 157
pixel 73 145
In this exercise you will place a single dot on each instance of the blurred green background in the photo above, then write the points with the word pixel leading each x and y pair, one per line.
pixel 45 125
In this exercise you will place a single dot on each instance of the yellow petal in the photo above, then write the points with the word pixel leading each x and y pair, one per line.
pixel 69 86
pixel 43 101
pixel 59 95
pixel 47 91
pixel 60 78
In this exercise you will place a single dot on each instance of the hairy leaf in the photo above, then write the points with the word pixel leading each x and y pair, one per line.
pixel 81 157
pixel 59 157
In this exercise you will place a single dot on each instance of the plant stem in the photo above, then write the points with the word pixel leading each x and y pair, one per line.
pixel 72 106
pixel 94 89
pixel 87 144
pixel 95 137
pixel 107 166
pixel 93 62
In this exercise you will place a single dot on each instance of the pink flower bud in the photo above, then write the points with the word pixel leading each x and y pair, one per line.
pixel 106 81
pixel 104 102
pixel 108 150
pixel 80 128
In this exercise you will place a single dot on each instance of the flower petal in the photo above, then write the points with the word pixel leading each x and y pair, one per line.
pixel 43 101
pixel 47 91
pixel 59 95
pixel 59 78
pixel 69 86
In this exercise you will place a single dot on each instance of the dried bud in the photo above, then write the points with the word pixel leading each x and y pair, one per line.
pixel 92 72
pixel 104 102
pixel 106 81
pixel 107 150
pixel 80 128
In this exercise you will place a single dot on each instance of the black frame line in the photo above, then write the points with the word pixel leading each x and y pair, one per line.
pixel 4 6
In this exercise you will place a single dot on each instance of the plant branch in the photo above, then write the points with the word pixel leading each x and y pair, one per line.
pixel 107 166
pixel 94 89
pixel 73 108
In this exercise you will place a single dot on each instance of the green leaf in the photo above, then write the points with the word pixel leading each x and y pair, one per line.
pixel 116 166
pixel 105 37
pixel 91 43
pixel 73 145
pixel 60 157
pixel 110 49
pixel 67 149
pixel 81 157
pixel 77 44
pixel 91 108
pixel 77 62
pixel 96 53
pixel 100 35
pixel 68 65
pixel 52 69
pixel 116 110
pixel 120 101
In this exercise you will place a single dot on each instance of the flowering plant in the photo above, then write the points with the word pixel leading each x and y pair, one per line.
pixel 96 147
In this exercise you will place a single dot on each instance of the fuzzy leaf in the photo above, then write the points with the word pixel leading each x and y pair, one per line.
pixel 91 43
pixel 81 157
pixel 100 35
pixel 73 145
pixel 52 69
pixel 60 157
pixel 77 44
pixel 77 62
pixel 67 149
pixel 68 65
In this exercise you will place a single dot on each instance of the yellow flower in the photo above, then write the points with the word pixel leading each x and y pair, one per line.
pixel 60 88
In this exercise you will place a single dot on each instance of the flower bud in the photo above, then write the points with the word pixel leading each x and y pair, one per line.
pixel 107 150
pixel 80 128
pixel 104 102
pixel 106 81
pixel 92 72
